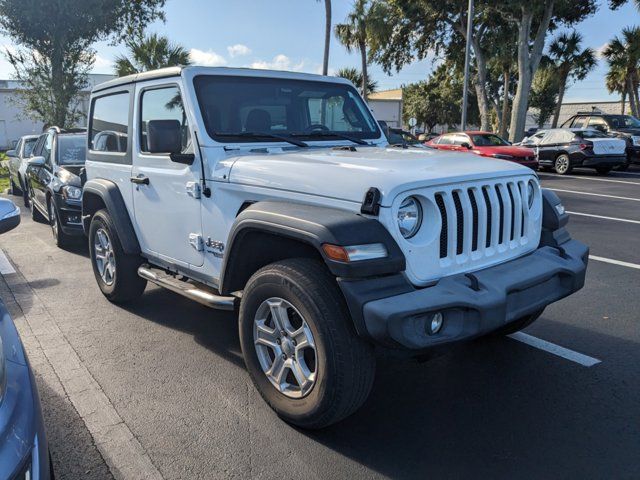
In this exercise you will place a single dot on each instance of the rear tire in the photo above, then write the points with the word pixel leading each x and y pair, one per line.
pixel 518 325
pixel 303 293
pixel 603 170
pixel 562 164
pixel 36 216
pixel 116 272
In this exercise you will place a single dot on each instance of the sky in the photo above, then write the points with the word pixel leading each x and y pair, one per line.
pixel 289 35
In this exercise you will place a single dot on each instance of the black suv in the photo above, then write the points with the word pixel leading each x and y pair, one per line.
pixel 621 126
pixel 54 180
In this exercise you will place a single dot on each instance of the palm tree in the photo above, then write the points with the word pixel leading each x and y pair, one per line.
pixel 623 54
pixel 355 76
pixel 353 34
pixel 327 35
pixel 571 62
pixel 615 81
pixel 150 53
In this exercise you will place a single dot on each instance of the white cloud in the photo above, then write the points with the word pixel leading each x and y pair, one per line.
pixel 279 62
pixel 207 59
pixel 600 50
pixel 238 50
pixel 103 65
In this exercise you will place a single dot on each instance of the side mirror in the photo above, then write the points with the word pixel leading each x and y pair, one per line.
pixel 466 145
pixel 36 161
pixel 11 153
pixel 9 215
pixel 165 136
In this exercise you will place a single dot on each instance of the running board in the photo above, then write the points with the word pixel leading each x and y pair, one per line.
pixel 186 289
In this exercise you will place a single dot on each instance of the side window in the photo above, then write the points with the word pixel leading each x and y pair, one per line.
pixel 18 148
pixel 460 139
pixel 109 125
pixel 598 123
pixel 163 104
pixel 446 140
pixel 47 146
pixel 37 149
pixel 579 122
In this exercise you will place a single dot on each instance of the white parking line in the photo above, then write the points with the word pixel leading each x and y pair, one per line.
pixel 595 194
pixel 614 262
pixel 591 178
pixel 626 220
pixel 5 265
pixel 625 173
pixel 565 353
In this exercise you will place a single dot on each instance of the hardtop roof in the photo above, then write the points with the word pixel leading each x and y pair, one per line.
pixel 197 70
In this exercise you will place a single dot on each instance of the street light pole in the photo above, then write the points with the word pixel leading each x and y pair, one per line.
pixel 467 57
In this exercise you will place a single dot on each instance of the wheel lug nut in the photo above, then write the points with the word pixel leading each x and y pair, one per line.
pixel 278 341
pixel 284 356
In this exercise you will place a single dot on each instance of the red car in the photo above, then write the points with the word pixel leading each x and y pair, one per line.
pixel 485 144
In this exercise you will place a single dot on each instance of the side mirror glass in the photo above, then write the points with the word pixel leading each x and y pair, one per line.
pixel 9 215
pixel 11 153
pixel 36 161
pixel 164 136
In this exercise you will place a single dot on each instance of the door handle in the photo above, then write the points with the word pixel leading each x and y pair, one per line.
pixel 140 180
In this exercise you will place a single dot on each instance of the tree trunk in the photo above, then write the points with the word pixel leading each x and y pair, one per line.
pixel 528 62
pixel 365 75
pixel 327 37
pixel 624 100
pixel 506 81
pixel 561 89
pixel 632 98
pixel 57 89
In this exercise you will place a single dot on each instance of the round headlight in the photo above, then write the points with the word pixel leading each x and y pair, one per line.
pixel 531 193
pixel 409 217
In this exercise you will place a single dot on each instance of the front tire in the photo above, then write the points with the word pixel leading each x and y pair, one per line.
pixel 116 272
pixel 603 170
pixel 297 302
pixel 15 189
pixel 61 239
pixel 562 164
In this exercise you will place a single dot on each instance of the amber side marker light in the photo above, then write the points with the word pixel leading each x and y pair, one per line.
pixel 354 253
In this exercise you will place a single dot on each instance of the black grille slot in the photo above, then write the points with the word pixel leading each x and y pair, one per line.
pixel 513 211
pixel 474 211
pixel 445 226
pixel 460 222
pixel 501 222
pixel 487 202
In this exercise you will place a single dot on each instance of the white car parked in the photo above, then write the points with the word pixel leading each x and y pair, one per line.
pixel 276 193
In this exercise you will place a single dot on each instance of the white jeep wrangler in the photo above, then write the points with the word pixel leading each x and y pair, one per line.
pixel 277 194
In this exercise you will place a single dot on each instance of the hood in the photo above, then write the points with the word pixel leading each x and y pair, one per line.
pixel 514 151
pixel 71 175
pixel 347 175
pixel 628 131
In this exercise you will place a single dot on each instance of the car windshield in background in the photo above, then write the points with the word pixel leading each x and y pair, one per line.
pixel 590 134
pixel 28 147
pixel 488 141
pixel 248 109
pixel 72 149
pixel 623 121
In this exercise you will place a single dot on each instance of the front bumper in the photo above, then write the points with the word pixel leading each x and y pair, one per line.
pixel 70 212
pixel 471 304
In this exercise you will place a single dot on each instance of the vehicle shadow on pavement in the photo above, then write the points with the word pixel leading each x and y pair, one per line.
pixel 495 408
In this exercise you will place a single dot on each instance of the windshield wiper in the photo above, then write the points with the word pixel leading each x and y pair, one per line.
pixel 287 139
pixel 330 134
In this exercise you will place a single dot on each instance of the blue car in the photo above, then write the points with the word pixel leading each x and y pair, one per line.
pixel 24 453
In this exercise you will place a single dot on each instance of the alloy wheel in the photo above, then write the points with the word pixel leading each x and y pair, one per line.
pixel 53 220
pixel 562 164
pixel 104 258
pixel 285 347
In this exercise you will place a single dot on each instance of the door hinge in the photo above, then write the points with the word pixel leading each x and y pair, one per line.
pixel 195 240
pixel 194 190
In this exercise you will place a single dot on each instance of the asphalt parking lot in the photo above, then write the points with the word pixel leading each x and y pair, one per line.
pixel 159 389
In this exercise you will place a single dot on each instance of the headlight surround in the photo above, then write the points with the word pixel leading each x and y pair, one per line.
pixel 409 217
pixel 531 193
pixel 71 193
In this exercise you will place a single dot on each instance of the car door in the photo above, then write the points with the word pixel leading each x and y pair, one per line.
pixel 548 146
pixel 14 162
pixel 42 175
pixel 167 205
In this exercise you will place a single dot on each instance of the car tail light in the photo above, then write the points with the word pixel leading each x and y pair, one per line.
pixel 584 146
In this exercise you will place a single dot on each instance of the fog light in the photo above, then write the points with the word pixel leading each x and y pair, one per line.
pixel 436 323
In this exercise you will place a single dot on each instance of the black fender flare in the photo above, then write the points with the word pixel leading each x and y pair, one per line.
pixel 313 225
pixel 110 195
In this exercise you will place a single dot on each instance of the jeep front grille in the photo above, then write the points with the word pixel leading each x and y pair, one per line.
pixel 481 218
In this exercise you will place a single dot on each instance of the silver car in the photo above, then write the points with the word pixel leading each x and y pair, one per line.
pixel 18 163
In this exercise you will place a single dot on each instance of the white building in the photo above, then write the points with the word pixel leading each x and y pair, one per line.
pixel 13 121
pixel 387 106
pixel 570 109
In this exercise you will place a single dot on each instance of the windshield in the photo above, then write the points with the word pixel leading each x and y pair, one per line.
pixel 623 121
pixel 239 109
pixel 488 140
pixel 590 134
pixel 29 143
pixel 72 149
